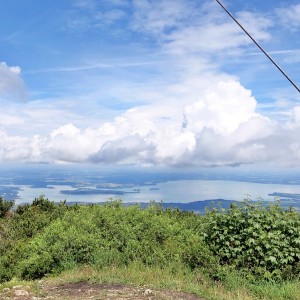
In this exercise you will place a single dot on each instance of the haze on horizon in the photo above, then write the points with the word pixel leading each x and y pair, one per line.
pixel 152 83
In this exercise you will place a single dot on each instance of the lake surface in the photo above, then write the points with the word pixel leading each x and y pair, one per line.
pixel 171 191
pixel 25 183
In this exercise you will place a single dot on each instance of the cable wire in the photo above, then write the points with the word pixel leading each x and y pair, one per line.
pixel 256 43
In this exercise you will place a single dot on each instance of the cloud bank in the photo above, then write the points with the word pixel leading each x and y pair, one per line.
pixel 221 128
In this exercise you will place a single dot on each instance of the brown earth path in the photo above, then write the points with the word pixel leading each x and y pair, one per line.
pixel 88 291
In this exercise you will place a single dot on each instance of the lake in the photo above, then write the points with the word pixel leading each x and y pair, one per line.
pixel 143 185
pixel 171 191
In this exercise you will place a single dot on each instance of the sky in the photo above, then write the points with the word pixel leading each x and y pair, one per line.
pixel 172 83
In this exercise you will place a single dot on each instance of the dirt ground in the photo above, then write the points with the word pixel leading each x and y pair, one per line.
pixel 87 291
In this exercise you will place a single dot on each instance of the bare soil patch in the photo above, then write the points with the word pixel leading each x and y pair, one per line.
pixel 88 291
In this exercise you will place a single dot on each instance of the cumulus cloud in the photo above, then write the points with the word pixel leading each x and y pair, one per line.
pixel 11 85
pixel 14 148
pixel 222 127
pixel 222 108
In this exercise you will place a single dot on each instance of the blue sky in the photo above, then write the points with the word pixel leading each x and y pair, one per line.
pixel 168 83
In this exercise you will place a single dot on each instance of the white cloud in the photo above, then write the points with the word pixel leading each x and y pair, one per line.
pixel 222 108
pixel 190 112
pixel 90 14
pixel 11 85
pixel 10 120
pixel 294 121
pixel 289 16
pixel 183 28
pixel 157 17
pixel 222 128
pixel 256 24
pixel 14 148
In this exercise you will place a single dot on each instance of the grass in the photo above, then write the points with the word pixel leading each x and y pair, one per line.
pixel 233 288
pixel 287 290
pixel 195 282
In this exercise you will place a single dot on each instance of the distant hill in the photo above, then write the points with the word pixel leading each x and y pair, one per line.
pixel 196 206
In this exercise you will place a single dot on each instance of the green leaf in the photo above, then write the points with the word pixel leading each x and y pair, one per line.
pixel 272 259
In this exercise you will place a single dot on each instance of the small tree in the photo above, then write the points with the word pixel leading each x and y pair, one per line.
pixel 5 206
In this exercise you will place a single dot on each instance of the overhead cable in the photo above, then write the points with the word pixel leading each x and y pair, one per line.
pixel 256 43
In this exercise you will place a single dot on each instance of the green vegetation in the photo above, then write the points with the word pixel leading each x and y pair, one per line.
pixel 248 249
pixel 251 237
pixel 5 207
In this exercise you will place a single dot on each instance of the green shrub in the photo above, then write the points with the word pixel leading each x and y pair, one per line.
pixel 255 240
pixel 113 234
pixel 5 206
pixel 30 219
pixel 62 245
pixel 262 239
pixel 22 225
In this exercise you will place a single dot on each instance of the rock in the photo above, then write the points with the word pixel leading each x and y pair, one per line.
pixel 5 290
pixel 21 293
pixel 148 292
pixel 17 287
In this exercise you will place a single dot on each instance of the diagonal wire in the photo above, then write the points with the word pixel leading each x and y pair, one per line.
pixel 256 43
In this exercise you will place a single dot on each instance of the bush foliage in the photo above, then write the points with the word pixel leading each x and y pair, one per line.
pixel 250 236
pixel 46 238
pixel 5 206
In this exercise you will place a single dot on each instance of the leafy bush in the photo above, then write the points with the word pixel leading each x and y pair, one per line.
pixel 29 219
pixel 263 239
pixel 22 225
pixel 5 206
pixel 45 238
pixel 112 234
